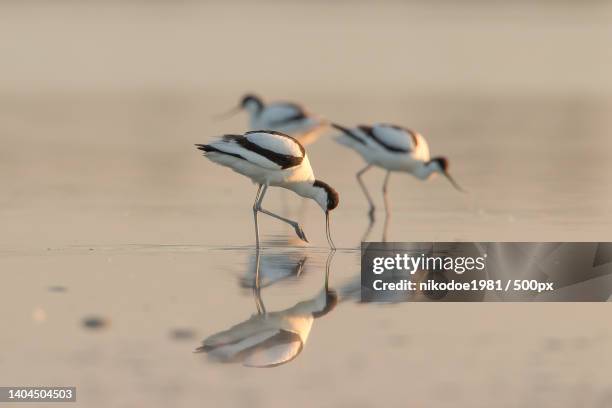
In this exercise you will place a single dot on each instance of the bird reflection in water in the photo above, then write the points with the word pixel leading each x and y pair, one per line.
pixel 270 339
pixel 275 267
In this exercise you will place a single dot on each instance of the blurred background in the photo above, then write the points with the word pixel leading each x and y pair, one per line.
pixel 100 103
pixel 107 210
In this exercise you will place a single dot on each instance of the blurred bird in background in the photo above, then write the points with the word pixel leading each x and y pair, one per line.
pixel 287 117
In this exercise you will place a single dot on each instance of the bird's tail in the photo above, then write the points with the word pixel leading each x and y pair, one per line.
pixel 224 149
pixel 219 144
pixel 206 148
pixel 203 349
pixel 339 127
pixel 347 138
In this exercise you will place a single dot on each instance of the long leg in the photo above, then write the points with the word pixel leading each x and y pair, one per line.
pixel 386 195
pixel 261 309
pixel 295 225
pixel 385 228
pixel 364 238
pixel 365 190
pixel 255 204
pixel 387 206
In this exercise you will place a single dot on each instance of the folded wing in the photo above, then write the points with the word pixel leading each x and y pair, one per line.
pixel 282 114
pixel 391 137
pixel 267 149
pixel 265 348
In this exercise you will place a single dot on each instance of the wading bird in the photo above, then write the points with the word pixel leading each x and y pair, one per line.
pixel 286 117
pixel 269 339
pixel 392 148
pixel 272 158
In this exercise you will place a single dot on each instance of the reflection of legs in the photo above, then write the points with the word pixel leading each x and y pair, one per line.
pixel 255 216
pixel 330 256
pixel 385 228
pixel 295 225
pixel 261 309
pixel 299 268
pixel 365 190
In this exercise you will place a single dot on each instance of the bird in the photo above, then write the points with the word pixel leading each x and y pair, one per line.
pixel 286 117
pixel 270 339
pixel 271 158
pixel 394 149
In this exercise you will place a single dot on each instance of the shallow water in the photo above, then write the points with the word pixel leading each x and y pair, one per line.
pixel 357 354
pixel 122 248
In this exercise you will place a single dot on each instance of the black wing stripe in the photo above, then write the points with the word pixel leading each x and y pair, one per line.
pixel 209 148
pixel 281 134
pixel 415 141
pixel 370 133
pixel 285 161
pixel 348 133
pixel 287 120
pixel 299 114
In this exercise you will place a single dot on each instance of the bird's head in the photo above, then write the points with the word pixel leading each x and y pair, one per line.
pixel 440 165
pixel 251 103
pixel 331 300
pixel 328 199
pixel 325 196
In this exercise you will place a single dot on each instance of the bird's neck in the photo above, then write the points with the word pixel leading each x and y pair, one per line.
pixel 424 171
pixel 326 302
pixel 318 306
pixel 304 189
pixel 307 189
pixel 254 107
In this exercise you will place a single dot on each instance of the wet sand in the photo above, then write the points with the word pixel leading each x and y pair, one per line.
pixel 110 217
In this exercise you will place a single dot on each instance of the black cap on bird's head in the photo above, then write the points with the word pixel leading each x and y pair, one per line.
pixel 250 102
pixel 331 300
pixel 441 166
pixel 330 199
pixel 442 162
pixel 251 99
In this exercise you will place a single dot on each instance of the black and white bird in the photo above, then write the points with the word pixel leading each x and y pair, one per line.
pixel 271 158
pixel 269 339
pixel 392 148
pixel 286 117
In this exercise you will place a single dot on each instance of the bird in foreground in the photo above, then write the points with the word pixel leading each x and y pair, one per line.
pixel 271 158
pixel 392 148
pixel 269 339
pixel 286 117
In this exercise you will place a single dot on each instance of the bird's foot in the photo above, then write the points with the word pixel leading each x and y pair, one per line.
pixel 300 266
pixel 300 232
